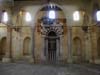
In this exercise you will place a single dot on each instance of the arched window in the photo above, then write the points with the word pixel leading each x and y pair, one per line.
pixel 50 13
pixel 76 16
pixel 4 17
pixel 98 15
pixel 95 11
pixel 28 17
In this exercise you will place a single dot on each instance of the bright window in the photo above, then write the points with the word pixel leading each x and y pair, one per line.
pixel 76 16
pixel 5 17
pixel 52 14
pixel 28 17
pixel 98 15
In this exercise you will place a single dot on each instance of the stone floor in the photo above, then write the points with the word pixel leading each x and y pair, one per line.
pixel 34 69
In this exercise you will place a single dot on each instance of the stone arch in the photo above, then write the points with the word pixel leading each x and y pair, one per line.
pixel 3 47
pixel 77 49
pixel 98 47
pixel 42 30
pixel 52 33
pixel 26 46
pixel 39 9
pixel 42 13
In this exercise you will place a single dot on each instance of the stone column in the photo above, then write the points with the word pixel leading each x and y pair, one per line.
pixel 94 48
pixel 43 54
pixel 32 57
pixel 58 50
pixel 8 53
pixel 90 44
pixel 46 49
pixel 69 44
pixel 87 46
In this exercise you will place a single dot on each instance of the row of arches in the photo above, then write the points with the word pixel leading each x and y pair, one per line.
pixel 77 47
pixel 3 46
pixel 78 51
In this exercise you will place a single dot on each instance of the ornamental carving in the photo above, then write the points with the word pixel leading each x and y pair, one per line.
pixel 58 28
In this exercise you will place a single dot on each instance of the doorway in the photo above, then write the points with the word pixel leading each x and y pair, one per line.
pixel 52 46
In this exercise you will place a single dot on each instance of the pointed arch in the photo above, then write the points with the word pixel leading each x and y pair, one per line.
pixel 43 13
pixel 52 33
pixel 77 49
pixel 3 47
pixel 26 46
pixel 98 47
